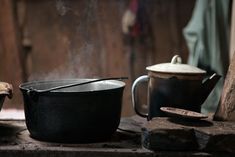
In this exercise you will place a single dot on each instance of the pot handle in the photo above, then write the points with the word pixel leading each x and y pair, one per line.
pixel 139 80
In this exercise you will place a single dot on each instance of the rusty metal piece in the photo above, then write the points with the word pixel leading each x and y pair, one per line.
pixel 176 112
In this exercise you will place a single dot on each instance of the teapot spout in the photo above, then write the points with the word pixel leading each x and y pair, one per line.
pixel 209 85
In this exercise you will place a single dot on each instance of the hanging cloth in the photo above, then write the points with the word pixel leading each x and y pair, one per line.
pixel 207 37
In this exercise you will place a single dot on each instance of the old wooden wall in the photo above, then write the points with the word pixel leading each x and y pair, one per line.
pixel 11 69
pixel 78 39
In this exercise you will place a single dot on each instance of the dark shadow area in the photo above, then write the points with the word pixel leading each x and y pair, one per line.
pixel 8 133
pixel 190 122
pixel 119 139
pixel 8 130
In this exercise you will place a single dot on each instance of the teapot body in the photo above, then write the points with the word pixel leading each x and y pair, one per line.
pixel 173 85
pixel 173 92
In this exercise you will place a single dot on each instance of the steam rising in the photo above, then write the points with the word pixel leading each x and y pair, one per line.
pixel 75 66
pixel 81 44
pixel 61 8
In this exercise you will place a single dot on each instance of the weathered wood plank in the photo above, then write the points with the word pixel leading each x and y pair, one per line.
pixel 11 64
pixel 86 152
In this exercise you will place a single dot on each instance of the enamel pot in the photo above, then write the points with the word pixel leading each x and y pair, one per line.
pixel 173 85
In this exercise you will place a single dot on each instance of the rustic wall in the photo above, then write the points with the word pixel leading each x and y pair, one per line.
pixel 11 55
pixel 77 39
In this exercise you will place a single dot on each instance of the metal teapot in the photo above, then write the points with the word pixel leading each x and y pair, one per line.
pixel 173 85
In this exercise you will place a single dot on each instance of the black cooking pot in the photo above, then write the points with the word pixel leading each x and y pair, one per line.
pixel 81 114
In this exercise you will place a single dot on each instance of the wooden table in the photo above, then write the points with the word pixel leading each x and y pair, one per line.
pixel 15 141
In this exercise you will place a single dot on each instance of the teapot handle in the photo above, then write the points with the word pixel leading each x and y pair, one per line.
pixel 176 60
pixel 135 85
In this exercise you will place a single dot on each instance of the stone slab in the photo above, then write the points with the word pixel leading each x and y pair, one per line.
pixel 126 142
pixel 181 134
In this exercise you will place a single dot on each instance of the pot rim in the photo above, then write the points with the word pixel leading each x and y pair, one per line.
pixel 116 85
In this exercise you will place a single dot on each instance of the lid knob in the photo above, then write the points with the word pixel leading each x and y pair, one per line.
pixel 176 60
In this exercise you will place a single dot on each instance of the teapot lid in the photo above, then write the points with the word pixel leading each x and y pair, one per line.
pixel 176 67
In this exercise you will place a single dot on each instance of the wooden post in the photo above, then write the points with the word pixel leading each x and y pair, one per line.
pixel 226 108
